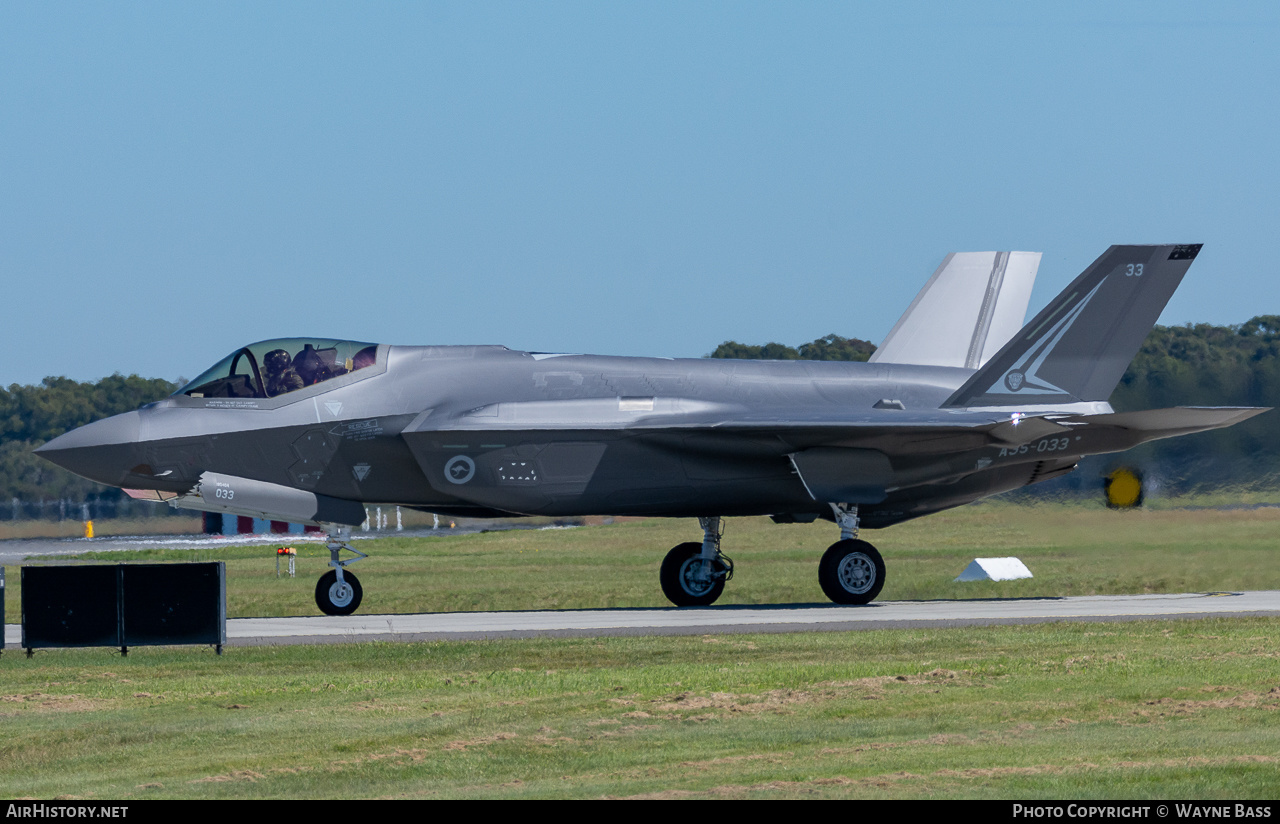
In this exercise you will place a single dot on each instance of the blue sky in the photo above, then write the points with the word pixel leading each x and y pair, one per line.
pixel 179 179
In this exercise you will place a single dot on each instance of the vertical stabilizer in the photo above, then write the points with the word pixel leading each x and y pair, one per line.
pixel 971 306
pixel 1078 347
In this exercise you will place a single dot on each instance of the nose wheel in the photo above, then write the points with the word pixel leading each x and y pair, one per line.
pixel 338 592
pixel 336 597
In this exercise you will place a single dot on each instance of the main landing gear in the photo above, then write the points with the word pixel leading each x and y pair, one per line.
pixel 693 575
pixel 851 571
pixel 338 592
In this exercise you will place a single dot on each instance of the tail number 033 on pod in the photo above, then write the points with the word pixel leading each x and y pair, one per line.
pixel 460 469
pixel 1043 445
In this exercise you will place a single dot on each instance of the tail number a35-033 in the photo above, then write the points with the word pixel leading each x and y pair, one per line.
pixel 1040 447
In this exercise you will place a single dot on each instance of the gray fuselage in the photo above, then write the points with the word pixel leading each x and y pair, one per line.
pixel 559 435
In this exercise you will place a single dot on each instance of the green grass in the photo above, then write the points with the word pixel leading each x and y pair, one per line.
pixel 1184 709
pixel 1072 549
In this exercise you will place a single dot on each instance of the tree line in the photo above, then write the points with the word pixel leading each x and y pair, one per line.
pixel 1204 365
pixel 832 347
pixel 32 415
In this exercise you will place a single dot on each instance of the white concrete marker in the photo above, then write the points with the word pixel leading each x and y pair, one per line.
pixel 994 569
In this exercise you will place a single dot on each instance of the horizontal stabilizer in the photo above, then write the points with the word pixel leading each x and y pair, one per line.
pixel 1118 431
pixel 1154 424
pixel 971 306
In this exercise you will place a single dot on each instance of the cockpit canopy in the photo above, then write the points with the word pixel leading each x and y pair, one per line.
pixel 276 367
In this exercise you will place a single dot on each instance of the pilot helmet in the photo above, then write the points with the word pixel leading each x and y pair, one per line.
pixel 276 361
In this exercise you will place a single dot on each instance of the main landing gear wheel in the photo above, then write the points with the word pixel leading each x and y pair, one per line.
pixel 851 572
pixel 336 597
pixel 683 580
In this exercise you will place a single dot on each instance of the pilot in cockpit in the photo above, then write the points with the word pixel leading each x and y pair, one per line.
pixel 281 376
pixel 272 368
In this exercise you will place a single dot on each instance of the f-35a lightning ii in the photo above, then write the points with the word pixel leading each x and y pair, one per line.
pixel 311 430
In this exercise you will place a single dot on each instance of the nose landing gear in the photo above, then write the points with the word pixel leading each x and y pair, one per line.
pixel 338 592
pixel 338 597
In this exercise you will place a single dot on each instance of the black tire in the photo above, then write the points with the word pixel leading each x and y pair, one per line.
pixel 677 582
pixel 335 600
pixel 851 572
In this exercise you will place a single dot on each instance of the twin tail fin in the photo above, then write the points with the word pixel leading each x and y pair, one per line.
pixel 1079 346
pixel 974 302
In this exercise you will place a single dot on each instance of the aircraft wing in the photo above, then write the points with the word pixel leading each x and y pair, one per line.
pixel 935 430
pixel 1139 427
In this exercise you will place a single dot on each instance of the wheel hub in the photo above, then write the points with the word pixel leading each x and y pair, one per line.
pixel 857 574
pixel 693 579
pixel 341 593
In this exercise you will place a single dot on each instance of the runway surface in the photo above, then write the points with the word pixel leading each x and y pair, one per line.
pixel 735 619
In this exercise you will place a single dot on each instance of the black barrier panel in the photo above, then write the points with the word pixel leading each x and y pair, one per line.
pixel 174 604
pixel 70 606
pixel 124 605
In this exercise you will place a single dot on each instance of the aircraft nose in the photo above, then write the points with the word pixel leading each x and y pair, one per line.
pixel 102 451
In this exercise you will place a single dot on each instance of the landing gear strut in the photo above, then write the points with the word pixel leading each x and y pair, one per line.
pixel 851 571
pixel 338 592
pixel 693 575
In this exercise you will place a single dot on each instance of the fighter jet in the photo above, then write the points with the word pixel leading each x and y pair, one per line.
pixel 958 404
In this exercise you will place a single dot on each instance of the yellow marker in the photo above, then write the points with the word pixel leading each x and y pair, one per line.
pixel 88 529
pixel 1124 488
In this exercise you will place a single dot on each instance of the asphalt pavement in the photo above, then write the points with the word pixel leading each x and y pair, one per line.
pixel 735 619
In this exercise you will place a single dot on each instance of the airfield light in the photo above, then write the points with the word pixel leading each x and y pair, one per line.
pixel 292 554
